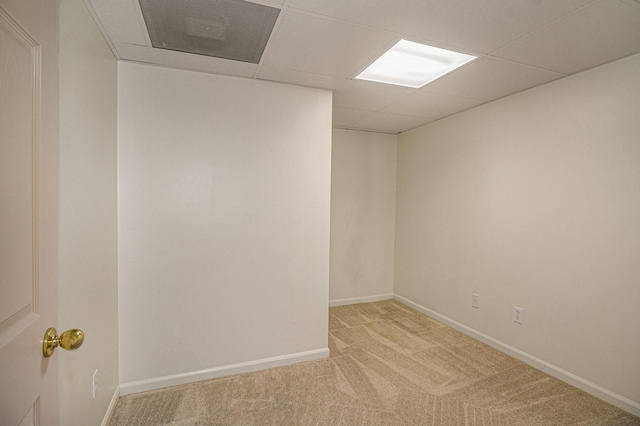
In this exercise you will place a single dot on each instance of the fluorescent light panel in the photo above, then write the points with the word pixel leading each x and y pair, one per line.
pixel 413 64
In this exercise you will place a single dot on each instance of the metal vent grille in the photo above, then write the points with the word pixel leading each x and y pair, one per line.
pixel 228 29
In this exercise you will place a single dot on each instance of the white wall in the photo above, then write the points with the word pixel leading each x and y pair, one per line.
pixel 363 204
pixel 224 192
pixel 533 201
pixel 88 216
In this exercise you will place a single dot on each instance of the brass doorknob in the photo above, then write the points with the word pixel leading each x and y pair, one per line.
pixel 69 340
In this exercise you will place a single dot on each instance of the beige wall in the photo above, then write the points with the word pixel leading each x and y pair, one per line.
pixel 534 201
pixel 224 192
pixel 363 204
pixel 88 216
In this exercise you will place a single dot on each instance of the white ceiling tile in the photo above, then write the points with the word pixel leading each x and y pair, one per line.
pixel 299 78
pixel 432 105
pixel 344 117
pixel 268 2
pixel 120 20
pixel 391 123
pixel 367 96
pixel 635 3
pixel 322 46
pixel 187 61
pixel 482 26
pixel 595 35
pixel 487 78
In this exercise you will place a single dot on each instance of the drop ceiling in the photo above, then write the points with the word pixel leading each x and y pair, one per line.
pixel 520 44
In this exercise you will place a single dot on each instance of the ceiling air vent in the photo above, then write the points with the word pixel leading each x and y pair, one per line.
pixel 228 29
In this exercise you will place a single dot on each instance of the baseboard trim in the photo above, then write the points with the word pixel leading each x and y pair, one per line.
pixel 552 370
pixel 227 370
pixel 111 408
pixel 366 299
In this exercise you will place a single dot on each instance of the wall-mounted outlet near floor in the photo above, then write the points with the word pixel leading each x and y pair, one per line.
pixel 517 315
pixel 94 383
pixel 474 301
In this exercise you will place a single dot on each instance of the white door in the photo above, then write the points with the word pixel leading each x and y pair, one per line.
pixel 28 209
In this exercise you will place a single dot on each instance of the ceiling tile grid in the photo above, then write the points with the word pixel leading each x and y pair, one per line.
pixel 181 60
pixel 481 26
pixel 603 32
pixel 431 104
pixel 323 46
pixel 490 78
pixel 389 123
pixel 120 21
pixel 346 117
pixel 520 44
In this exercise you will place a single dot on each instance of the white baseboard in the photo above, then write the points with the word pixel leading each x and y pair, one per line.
pixel 227 370
pixel 112 407
pixel 552 370
pixel 366 299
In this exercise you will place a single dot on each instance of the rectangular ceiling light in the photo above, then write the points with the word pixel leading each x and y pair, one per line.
pixel 413 64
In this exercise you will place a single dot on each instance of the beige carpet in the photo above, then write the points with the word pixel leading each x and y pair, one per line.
pixel 389 365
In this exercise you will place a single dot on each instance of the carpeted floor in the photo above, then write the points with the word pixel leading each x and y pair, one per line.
pixel 389 365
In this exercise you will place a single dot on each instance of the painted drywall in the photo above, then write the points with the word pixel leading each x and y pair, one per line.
pixel 363 204
pixel 88 216
pixel 224 203
pixel 533 201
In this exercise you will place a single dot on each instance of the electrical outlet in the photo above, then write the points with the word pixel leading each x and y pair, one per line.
pixel 94 382
pixel 517 315
pixel 474 301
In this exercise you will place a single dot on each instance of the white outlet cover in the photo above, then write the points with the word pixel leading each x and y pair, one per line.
pixel 517 315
